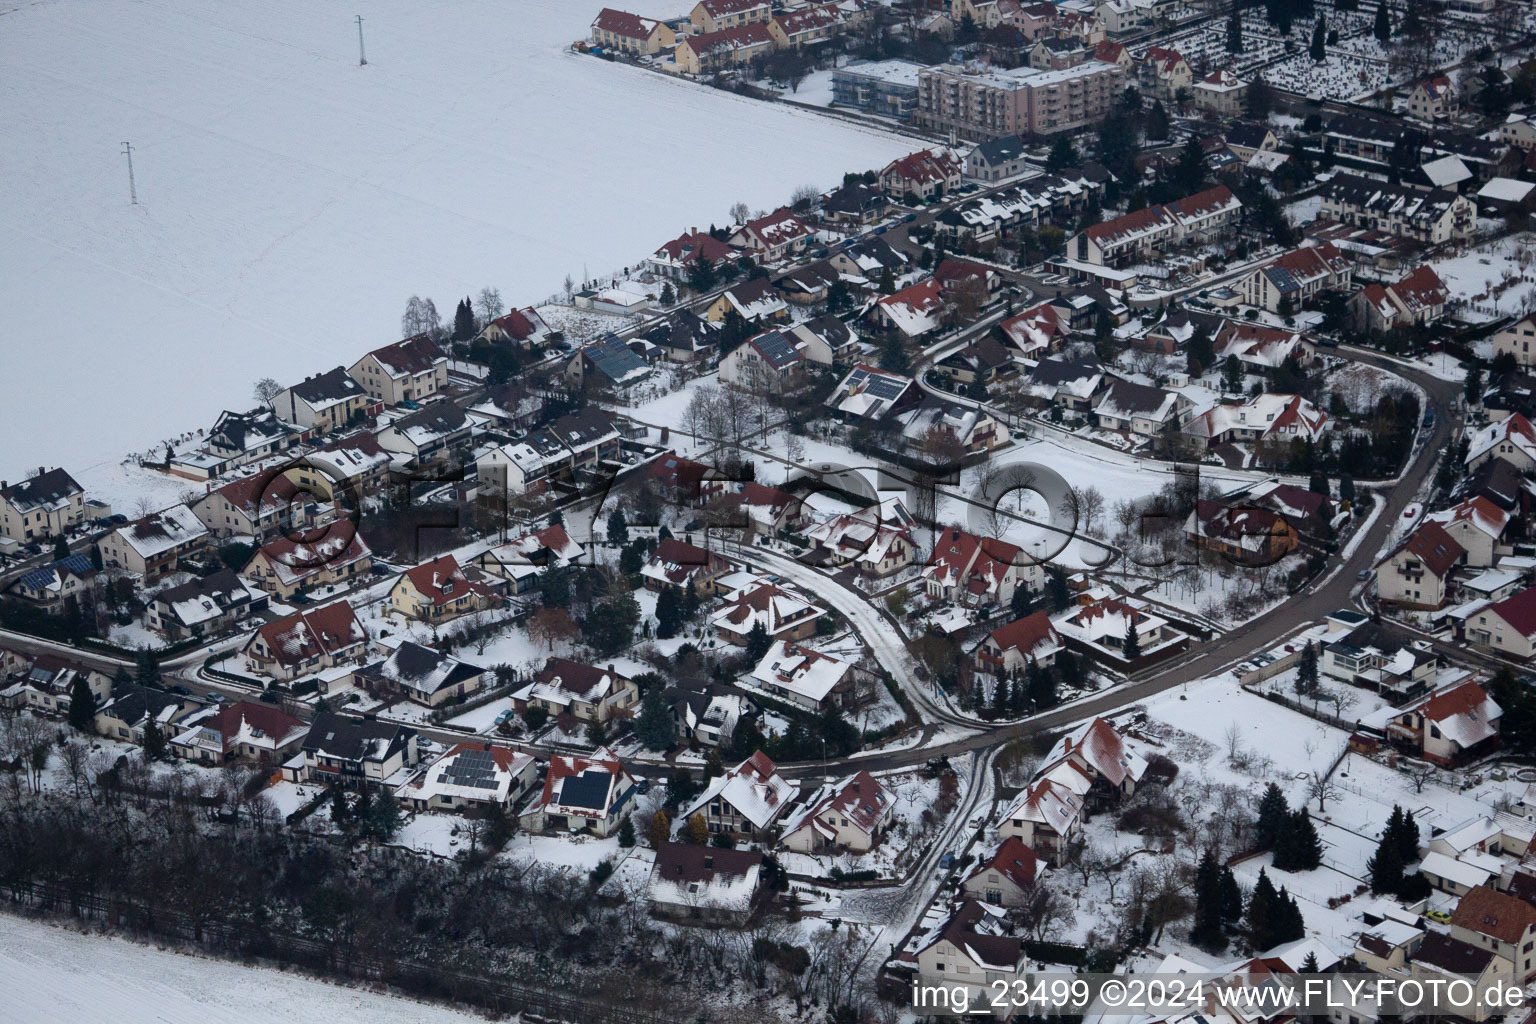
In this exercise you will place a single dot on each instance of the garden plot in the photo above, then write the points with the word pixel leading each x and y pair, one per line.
pixel 1493 280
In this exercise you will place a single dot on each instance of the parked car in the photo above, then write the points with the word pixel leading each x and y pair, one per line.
pixel 909 218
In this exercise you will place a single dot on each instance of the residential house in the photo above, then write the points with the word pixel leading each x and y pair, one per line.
pixel 745 802
pixel 66 583
pixel 1507 627
pixel 1165 73
pixel 854 203
pixel 49 504
pixel 826 340
pixel 1101 630
pixel 1512 439
pixel 704 884
pixel 323 403
pixel 1267 417
pixel 474 778
pixel 971 954
pixel 1362 653
pixel 345 469
pixel 1009 650
pixel 1054 53
pixel 708 715
pixel 785 616
pixel 420 674
pixel 250 731
pixel 130 708
pixel 153 546
pixel 631 33
pixel 412 370
pixel 1135 237
pixel 207 606
pixel 1516 339
pixel 987 103
pixel 1046 817
pixel 1221 93
pixel 916 310
pixel 809 284
pixel 1138 409
pixel 582 792
pixel 1452 726
pixel 1297 278
pixel 678 259
pixel 685 337
pixel 754 507
pixel 1035 332
pixel 729 47
pixel 766 363
pixel 871 394
pixel 1246 140
pixel 1007 878
pixel 1419 298
pixel 522 328
pixel 1477 524
pixel 48 685
pixel 236 439
pixel 1242 533
pixel 926 174
pixel 774 236
pixel 877 539
pixel 714 15
pixel 1099 754
pixel 1433 99
pixel 290 565
pixel 997 160
pixel 306 642
pixel 607 363
pixel 965 568
pixel 357 753
pixel 804 676
pixel 585 692
pixel 850 815
pixel 427 435
pixel 260 506
pixel 1501 923
pixel 1072 385
pixel 804 26
pixel 439 591
pixel 755 300
pixel 1261 348
pixel 1430 217
pixel 1417 574
pixel 523 559
pixel 938 428
pixel 677 563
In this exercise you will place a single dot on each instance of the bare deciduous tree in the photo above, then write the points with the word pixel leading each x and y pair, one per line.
pixel 489 304
pixel 420 317
pixel 740 213
pixel 265 390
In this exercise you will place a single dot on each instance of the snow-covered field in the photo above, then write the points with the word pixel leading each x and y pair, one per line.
pixel 1493 280
pixel 290 201
pixel 51 974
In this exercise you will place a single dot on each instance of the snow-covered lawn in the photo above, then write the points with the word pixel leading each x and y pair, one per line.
pixel 290 201
pixel 1492 280
pixel 51 973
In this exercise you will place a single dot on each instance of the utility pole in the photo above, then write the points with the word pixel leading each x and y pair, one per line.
pixel 362 56
pixel 133 193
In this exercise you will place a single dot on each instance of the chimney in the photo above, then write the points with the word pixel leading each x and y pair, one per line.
pixel 41 470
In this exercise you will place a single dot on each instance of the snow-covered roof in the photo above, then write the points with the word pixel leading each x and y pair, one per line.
pixel 799 669
pixel 163 531
pixel 469 771
pixel 754 788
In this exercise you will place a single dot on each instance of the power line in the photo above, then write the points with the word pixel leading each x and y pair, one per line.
pixel 133 193
pixel 362 56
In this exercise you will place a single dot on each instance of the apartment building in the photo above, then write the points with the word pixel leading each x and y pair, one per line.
pixel 1021 101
